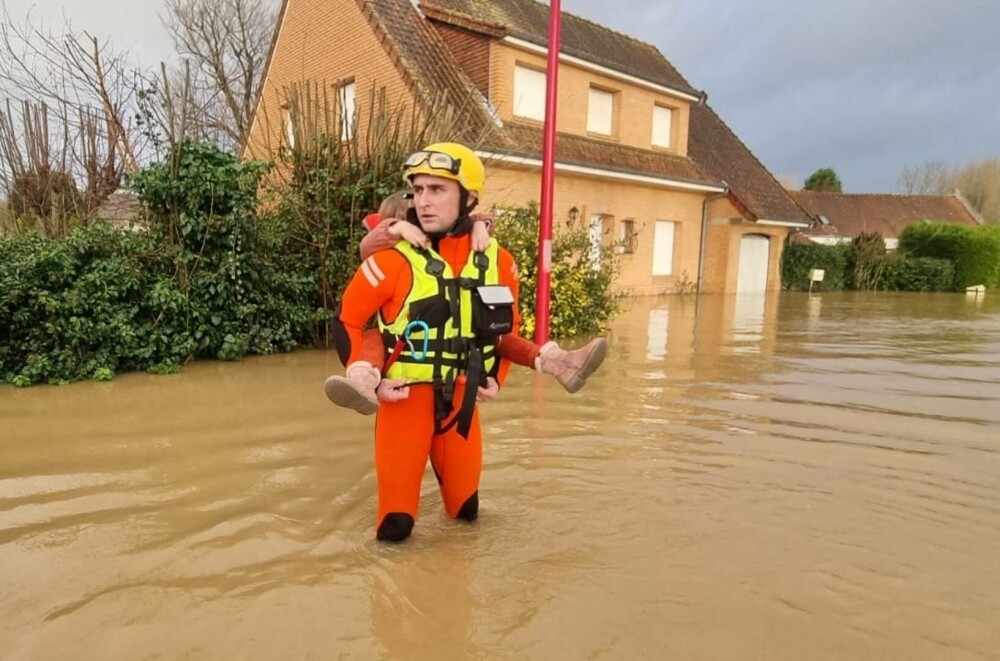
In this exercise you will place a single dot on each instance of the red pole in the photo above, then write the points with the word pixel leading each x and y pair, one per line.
pixel 548 179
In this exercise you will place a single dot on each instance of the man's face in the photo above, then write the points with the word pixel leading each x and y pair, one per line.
pixel 436 202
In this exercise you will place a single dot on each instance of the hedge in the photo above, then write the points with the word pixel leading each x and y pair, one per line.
pixel 974 251
pixel 903 273
pixel 798 258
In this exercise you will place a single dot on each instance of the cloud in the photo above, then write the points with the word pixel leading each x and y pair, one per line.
pixel 869 86
pixel 128 25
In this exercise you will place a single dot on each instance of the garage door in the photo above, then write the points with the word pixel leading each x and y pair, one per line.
pixel 754 254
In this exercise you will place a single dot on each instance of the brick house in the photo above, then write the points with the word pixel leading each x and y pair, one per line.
pixel 641 159
pixel 839 217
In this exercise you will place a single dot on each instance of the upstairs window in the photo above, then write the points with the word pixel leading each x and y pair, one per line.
pixel 600 111
pixel 348 108
pixel 663 124
pixel 529 93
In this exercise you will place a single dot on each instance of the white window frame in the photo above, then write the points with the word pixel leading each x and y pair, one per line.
pixel 600 111
pixel 595 237
pixel 664 243
pixel 529 93
pixel 347 96
pixel 663 126
pixel 289 130
pixel 628 236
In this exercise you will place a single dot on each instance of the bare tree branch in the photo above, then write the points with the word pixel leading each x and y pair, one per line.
pixel 931 178
pixel 978 181
pixel 71 129
pixel 226 42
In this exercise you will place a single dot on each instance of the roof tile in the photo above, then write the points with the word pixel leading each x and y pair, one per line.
pixel 425 57
pixel 529 20
pixel 852 214
pixel 714 146
pixel 524 140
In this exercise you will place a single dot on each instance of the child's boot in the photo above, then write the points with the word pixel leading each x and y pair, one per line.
pixel 571 368
pixel 356 389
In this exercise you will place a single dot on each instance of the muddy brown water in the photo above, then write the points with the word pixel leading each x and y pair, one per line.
pixel 797 477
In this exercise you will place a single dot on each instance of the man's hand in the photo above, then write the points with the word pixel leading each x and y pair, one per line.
pixel 392 390
pixel 488 392
pixel 410 233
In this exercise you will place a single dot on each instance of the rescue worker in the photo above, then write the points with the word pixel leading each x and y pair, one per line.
pixel 356 389
pixel 441 312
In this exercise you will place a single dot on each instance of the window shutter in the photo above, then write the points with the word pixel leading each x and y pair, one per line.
pixel 529 93
pixel 600 111
pixel 662 126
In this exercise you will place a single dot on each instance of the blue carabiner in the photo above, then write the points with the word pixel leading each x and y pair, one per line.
pixel 417 355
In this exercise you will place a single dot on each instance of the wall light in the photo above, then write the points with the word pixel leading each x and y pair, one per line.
pixel 574 214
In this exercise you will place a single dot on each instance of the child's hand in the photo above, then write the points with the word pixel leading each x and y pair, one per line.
pixel 480 236
pixel 483 217
pixel 488 392
pixel 410 233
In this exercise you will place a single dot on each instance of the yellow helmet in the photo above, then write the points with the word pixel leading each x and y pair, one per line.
pixel 449 160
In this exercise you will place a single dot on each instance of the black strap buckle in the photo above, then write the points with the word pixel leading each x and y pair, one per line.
pixel 480 261
pixel 435 267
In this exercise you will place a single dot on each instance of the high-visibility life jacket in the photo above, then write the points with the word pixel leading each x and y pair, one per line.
pixel 435 321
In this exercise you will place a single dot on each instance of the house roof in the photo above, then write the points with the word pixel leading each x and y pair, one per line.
pixel 122 206
pixel 852 214
pixel 529 20
pixel 523 140
pixel 717 150
pixel 424 57
pixel 420 52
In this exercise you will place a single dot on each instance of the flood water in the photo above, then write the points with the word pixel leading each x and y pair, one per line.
pixel 801 477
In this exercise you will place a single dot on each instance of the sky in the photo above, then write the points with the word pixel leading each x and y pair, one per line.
pixel 867 87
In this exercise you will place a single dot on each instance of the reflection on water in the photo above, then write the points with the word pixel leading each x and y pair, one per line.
pixel 748 322
pixel 803 477
pixel 657 332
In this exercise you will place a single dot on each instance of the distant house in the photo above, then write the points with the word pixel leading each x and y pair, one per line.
pixel 839 217
pixel 122 210
pixel 641 160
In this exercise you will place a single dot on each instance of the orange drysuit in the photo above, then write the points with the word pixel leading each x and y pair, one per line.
pixel 405 431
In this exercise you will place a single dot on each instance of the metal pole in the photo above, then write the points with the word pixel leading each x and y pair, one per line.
pixel 543 298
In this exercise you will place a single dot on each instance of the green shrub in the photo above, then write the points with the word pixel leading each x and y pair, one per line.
pixel 237 295
pixel 84 307
pixel 974 251
pixel 867 260
pixel 798 258
pixel 204 282
pixel 582 300
pixel 902 273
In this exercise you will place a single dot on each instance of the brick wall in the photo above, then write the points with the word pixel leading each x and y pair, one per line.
pixel 323 42
pixel 633 105
pixel 722 248
pixel 615 202
pixel 471 50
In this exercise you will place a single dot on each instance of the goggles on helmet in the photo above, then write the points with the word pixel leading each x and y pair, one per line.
pixel 435 160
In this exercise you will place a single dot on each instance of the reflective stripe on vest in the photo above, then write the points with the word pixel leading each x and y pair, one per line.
pixel 433 278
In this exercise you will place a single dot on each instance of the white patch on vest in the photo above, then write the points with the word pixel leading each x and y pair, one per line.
pixel 372 280
pixel 373 265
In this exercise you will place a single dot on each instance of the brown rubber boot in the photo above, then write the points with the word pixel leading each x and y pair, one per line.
pixel 571 368
pixel 356 389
